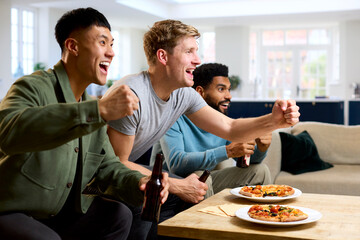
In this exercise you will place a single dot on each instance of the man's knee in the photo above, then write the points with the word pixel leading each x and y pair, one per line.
pixel 263 171
pixel 20 226
pixel 124 216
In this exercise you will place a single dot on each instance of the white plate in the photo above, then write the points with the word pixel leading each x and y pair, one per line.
pixel 313 216
pixel 267 199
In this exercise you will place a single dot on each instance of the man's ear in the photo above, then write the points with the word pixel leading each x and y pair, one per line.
pixel 161 55
pixel 72 46
pixel 200 90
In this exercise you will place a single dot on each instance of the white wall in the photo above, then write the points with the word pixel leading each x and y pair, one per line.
pixel 138 59
pixel 232 49
pixel 49 50
pixel 350 58
pixel 5 47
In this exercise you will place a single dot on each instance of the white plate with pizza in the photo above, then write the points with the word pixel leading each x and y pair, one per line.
pixel 265 198
pixel 312 216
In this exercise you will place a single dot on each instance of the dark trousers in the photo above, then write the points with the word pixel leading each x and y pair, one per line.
pixel 143 230
pixel 105 219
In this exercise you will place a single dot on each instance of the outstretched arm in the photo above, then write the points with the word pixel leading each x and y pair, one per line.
pixel 285 113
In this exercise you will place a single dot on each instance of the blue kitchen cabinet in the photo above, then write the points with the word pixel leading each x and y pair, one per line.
pixel 354 112
pixel 318 111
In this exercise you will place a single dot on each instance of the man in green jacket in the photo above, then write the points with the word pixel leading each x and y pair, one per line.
pixel 53 144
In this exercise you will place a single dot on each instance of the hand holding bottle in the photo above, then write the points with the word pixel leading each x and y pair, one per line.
pixel 165 183
pixel 236 149
pixel 153 192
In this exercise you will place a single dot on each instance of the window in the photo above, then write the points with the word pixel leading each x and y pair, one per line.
pixel 22 42
pixel 294 63
pixel 279 73
pixel 207 47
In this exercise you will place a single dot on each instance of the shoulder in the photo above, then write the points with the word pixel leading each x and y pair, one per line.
pixel 134 80
pixel 188 99
pixel 186 92
pixel 139 83
pixel 37 80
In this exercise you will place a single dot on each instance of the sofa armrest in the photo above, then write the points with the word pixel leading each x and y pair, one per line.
pixel 273 157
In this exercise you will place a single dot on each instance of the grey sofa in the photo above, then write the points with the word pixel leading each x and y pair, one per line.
pixel 336 144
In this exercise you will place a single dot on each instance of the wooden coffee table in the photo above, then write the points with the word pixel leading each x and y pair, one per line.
pixel 340 220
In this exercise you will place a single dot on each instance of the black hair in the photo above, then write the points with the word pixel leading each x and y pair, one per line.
pixel 203 75
pixel 76 19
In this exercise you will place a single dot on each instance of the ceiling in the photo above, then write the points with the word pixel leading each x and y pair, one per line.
pixel 211 13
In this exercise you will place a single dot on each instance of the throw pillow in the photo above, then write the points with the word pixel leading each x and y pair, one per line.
pixel 299 154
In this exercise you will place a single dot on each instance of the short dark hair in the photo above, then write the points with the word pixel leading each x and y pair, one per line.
pixel 203 75
pixel 76 19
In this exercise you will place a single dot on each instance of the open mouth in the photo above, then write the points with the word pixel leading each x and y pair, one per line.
pixel 104 66
pixel 190 73
pixel 225 105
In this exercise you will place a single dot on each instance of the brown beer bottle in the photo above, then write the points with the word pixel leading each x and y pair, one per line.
pixel 203 179
pixel 204 176
pixel 151 207
pixel 243 161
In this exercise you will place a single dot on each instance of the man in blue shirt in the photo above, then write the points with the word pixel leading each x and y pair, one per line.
pixel 189 149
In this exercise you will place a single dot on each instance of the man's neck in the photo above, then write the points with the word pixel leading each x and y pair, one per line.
pixel 161 83
pixel 77 86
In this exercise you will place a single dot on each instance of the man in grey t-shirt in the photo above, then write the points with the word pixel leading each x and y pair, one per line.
pixel 155 116
pixel 171 50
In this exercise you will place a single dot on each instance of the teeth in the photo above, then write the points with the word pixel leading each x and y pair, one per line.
pixel 105 63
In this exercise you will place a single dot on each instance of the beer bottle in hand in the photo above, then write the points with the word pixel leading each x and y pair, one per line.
pixel 151 207
pixel 243 161
pixel 203 179
pixel 204 176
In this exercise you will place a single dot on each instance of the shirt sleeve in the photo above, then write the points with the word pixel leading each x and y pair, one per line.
pixel 115 179
pixel 184 163
pixel 258 156
pixel 126 125
pixel 196 101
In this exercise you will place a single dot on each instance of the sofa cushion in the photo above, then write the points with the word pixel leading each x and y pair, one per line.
pixel 341 179
pixel 299 154
pixel 336 144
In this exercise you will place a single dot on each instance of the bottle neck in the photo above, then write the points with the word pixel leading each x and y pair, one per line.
pixel 157 169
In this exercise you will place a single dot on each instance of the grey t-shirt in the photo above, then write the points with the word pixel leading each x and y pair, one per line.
pixel 154 116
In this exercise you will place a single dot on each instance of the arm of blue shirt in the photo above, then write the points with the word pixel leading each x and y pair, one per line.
pixel 258 156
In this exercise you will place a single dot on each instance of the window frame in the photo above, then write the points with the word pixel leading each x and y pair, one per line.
pixel 20 40
pixel 259 63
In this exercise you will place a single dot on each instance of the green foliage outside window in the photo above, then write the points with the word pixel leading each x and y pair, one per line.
pixel 235 81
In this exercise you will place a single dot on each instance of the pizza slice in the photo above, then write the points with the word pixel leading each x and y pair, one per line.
pixel 252 191
pixel 288 214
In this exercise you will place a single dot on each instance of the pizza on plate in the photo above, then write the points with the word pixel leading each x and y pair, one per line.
pixel 276 213
pixel 267 190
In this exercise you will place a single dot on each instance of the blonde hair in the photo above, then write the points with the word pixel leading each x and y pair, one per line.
pixel 165 35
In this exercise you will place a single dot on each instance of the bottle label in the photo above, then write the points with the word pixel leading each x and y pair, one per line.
pixel 247 160
pixel 243 161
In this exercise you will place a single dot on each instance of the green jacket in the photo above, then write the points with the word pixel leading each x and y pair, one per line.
pixel 40 126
